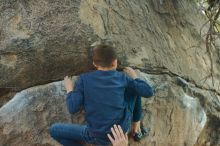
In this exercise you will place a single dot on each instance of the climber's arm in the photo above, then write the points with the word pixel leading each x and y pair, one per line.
pixel 74 99
pixel 137 86
pixel 140 88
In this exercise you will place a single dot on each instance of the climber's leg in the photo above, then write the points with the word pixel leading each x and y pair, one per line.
pixel 134 106
pixel 68 134
pixel 137 110
pixel 136 119
pixel 138 128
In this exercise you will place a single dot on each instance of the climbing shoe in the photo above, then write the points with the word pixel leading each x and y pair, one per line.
pixel 145 131
pixel 138 136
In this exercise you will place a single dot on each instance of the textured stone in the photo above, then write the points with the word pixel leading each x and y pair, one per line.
pixel 43 40
pixel 175 116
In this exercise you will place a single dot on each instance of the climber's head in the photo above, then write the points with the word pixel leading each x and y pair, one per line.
pixel 104 57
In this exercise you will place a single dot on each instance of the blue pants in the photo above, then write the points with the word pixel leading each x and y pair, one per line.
pixel 134 104
pixel 74 134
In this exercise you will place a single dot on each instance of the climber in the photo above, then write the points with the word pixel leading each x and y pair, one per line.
pixel 108 97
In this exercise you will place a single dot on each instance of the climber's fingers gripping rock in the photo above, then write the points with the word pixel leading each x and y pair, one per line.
pixel 68 84
pixel 130 72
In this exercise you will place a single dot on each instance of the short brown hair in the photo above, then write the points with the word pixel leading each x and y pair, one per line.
pixel 104 55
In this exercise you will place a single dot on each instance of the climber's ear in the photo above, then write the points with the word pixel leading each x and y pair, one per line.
pixel 94 64
pixel 115 63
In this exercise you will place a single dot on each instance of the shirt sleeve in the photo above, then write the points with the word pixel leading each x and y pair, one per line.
pixel 74 99
pixel 140 88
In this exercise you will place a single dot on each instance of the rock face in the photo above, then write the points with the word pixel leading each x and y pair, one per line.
pixel 25 119
pixel 42 41
pixel 178 115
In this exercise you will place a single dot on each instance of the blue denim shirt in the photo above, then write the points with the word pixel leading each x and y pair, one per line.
pixel 102 95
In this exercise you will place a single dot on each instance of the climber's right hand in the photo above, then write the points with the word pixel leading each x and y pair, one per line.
pixel 68 84
pixel 130 72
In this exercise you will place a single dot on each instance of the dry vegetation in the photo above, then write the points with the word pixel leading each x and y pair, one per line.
pixel 211 9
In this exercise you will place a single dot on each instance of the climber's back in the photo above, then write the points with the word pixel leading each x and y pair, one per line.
pixel 103 99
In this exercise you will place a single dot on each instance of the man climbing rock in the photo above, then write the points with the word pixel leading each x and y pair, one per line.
pixel 108 97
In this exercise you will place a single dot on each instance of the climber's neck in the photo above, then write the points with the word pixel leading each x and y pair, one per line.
pixel 113 66
pixel 106 68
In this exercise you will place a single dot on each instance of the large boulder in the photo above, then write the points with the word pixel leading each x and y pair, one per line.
pixel 179 114
pixel 43 40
